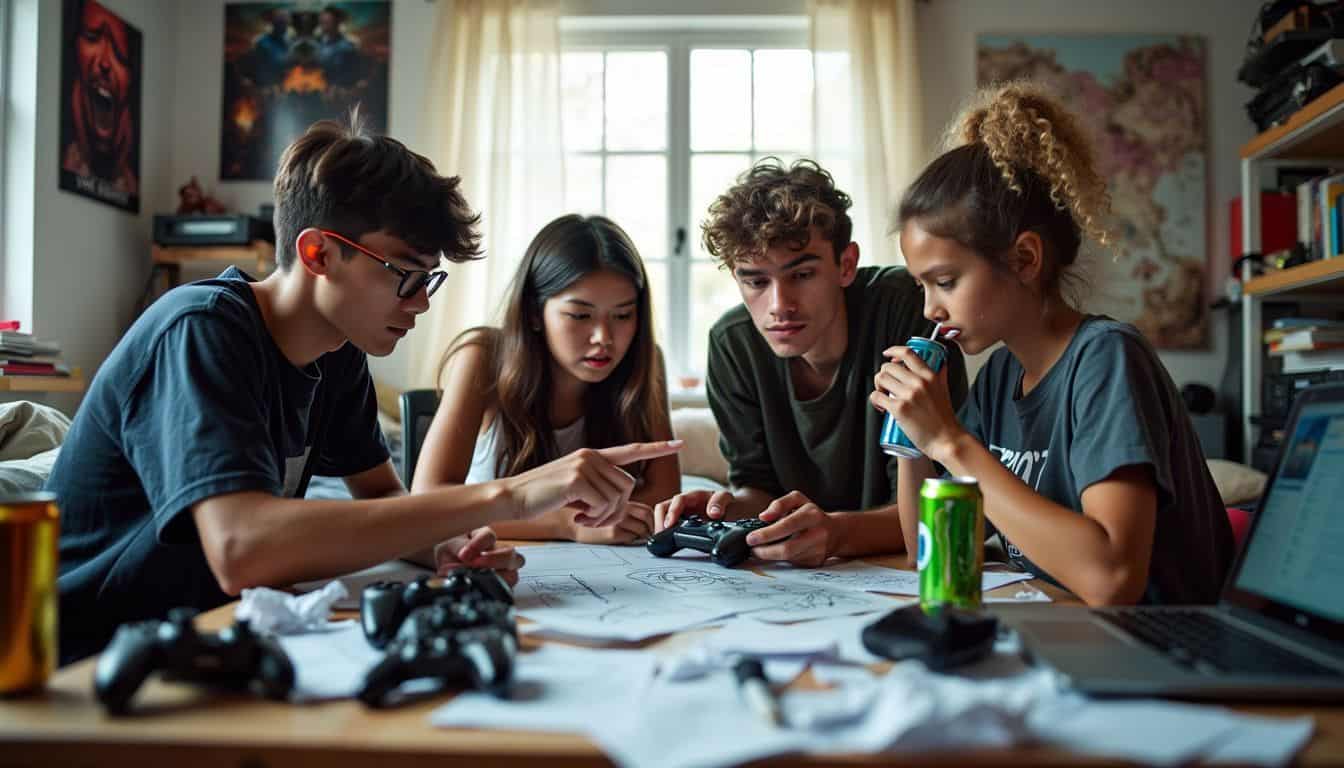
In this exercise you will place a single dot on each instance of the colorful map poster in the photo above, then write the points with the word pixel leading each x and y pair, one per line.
pixel 1143 97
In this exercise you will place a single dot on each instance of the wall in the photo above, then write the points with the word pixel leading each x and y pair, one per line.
pixel 197 94
pixel 949 76
pixel 947 29
pixel 86 262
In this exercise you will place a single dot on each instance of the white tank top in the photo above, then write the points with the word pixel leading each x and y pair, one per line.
pixel 484 459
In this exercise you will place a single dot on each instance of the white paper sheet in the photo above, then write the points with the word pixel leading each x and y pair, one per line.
pixel 629 594
pixel 329 663
pixel 392 570
pixel 557 689
pixel 866 577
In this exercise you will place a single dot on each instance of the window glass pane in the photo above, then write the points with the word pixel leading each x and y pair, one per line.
pixel 720 100
pixel 713 292
pixel 581 99
pixel 785 159
pixel 711 176
pixel 658 287
pixel 583 184
pixel 637 200
pixel 783 100
pixel 636 100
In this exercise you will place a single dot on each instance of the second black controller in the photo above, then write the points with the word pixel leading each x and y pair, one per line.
pixel 724 540
pixel 384 605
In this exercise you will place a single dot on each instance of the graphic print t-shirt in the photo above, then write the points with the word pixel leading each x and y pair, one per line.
pixel 1109 403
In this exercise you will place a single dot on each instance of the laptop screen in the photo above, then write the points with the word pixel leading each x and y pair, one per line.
pixel 1295 553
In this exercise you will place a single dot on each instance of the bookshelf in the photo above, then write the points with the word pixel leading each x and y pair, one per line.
pixel 1314 135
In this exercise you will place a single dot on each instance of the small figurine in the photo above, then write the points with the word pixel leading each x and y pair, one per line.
pixel 192 199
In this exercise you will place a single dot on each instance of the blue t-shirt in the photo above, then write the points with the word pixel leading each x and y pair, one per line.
pixel 1108 403
pixel 195 401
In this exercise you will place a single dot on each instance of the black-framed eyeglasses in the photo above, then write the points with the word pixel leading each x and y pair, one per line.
pixel 412 280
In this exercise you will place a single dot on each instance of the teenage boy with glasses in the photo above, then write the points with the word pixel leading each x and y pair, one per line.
pixel 181 480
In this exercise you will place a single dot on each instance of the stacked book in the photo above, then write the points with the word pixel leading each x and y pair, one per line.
pixel 1305 345
pixel 22 354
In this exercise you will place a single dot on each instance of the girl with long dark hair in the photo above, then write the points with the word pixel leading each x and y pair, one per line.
pixel 574 366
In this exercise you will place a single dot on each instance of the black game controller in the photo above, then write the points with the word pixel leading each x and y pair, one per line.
pixel 724 540
pixel 233 658
pixel 384 605
pixel 470 640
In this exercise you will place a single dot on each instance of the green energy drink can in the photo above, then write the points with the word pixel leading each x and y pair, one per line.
pixel 951 553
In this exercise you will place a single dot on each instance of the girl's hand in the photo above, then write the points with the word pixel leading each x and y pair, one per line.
pixel 477 550
pixel 918 399
pixel 634 525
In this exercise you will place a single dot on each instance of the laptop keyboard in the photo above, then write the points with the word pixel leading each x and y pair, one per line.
pixel 1209 646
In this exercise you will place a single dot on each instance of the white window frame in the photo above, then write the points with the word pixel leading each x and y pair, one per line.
pixel 677 36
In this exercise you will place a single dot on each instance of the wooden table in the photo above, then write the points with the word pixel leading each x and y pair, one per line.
pixel 183 726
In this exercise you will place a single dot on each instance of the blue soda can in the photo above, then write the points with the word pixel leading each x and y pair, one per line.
pixel 893 440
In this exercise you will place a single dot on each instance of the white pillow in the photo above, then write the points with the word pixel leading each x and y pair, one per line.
pixel 28 428
pixel 1237 483
pixel 701 455
pixel 24 475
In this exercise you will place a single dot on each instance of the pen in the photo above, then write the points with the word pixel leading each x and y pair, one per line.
pixel 755 691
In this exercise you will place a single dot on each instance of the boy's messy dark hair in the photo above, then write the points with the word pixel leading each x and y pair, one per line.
pixel 773 204
pixel 343 178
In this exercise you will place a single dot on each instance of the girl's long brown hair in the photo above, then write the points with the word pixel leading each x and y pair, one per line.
pixel 628 406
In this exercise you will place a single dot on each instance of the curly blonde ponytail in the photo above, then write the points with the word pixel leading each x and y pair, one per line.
pixel 1015 161
pixel 1023 127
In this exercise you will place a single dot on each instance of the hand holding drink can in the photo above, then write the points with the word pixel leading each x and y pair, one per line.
pixel 893 439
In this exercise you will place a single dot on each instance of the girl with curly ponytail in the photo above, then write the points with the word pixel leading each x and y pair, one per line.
pixel 1091 471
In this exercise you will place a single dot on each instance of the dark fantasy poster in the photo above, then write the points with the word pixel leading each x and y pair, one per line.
pixel 288 65
pixel 101 71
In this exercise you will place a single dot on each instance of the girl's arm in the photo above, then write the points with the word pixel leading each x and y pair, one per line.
pixel 445 456
pixel 1102 555
pixel 912 474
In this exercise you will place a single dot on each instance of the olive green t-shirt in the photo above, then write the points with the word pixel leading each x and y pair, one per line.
pixel 827 447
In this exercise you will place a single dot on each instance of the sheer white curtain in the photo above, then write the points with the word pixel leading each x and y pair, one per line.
pixel 868 107
pixel 492 116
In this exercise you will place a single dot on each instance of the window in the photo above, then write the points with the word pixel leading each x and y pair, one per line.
pixel 658 122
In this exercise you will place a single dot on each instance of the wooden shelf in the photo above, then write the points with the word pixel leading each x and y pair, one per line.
pixel 1312 132
pixel 260 253
pixel 72 383
pixel 1315 277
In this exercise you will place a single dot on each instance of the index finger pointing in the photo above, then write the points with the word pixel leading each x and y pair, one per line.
pixel 629 454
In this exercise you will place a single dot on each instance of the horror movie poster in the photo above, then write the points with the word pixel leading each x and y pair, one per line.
pixel 288 65
pixel 101 71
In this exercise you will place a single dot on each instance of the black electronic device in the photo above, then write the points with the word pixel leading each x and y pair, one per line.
pixel 1290 91
pixel 724 540
pixel 211 229
pixel 471 640
pixel 943 638
pixel 234 658
pixel 384 605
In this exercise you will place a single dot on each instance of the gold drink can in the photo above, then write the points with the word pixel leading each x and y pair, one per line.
pixel 29 530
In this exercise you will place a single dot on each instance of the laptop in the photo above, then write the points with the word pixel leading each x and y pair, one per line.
pixel 1277 631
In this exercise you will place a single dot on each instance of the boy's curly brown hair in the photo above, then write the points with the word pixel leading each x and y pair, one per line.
pixel 773 204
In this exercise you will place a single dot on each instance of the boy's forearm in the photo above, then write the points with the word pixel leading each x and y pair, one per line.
pixel 870 532
pixel 255 539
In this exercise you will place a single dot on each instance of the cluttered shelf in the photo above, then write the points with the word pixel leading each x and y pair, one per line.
pixel 1317 277
pixel 1305 134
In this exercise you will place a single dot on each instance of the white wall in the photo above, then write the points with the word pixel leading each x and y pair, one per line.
pixel 948 30
pixel 87 262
